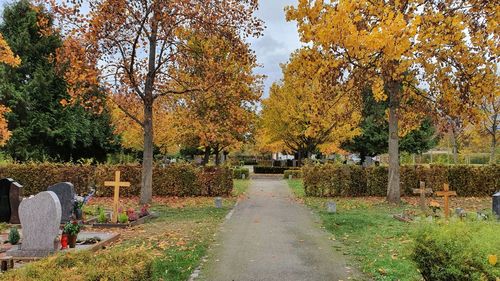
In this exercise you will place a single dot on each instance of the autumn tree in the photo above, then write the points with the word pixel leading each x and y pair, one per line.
pixel 490 121
pixel 221 115
pixel 308 111
pixel 400 46
pixel 136 44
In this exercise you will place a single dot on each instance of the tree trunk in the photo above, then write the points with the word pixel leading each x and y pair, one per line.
pixel 217 155
pixel 393 189
pixel 454 148
pixel 493 159
pixel 206 157
pixel 147 162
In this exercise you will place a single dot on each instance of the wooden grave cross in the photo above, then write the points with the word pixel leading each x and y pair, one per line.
pixel 116 184
pixel 446 193
pixel 422 191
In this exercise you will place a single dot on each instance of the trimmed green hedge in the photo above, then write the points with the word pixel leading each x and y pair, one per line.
pixel 296 174
pixel 271 170
pixel 173 180
pixel 457 251
pixel 349 180
pixel 238 172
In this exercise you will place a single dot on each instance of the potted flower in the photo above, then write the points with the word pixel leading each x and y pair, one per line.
pixel 78 204
pixel 71 229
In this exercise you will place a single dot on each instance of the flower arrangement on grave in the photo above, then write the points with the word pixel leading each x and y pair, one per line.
pixel 132 214
pixel 144 211
pixel 79 202
pixel 71 230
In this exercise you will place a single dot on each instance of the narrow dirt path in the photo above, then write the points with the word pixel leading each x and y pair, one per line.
pixel 272 237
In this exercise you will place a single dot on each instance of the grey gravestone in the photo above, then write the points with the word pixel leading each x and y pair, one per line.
pixel 218 202
pixel 66 194
pixel 290 177
pixel 40 220
pixel 496 204
pixel 10 198
pixel 243 176
pixel 331 207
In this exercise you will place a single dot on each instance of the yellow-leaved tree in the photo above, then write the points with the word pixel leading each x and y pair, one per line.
pixel 308 110
pixel 411 51
pixel 222 115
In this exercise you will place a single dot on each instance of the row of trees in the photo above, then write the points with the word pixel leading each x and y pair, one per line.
pixel 157 74
pixel 419 61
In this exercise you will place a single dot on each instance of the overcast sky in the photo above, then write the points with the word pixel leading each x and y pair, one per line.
pixel 274 47
pixel 279 40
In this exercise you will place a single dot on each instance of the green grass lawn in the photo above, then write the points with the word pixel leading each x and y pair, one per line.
pixel 169 247
pixel 377 243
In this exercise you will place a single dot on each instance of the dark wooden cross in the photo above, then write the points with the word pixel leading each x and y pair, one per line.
pixel 422 191
pixel 446 193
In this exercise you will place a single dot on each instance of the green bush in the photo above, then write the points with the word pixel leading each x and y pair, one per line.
pixel 457 251
pixel 13 236
pixel 271 170
pixel 238 172
pixel 296 174
pixel 351 180
pixel 115 264
pixel 172 180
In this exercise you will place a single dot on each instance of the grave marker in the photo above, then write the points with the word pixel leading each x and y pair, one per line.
pixel 446 193
pixel 422 191
pixel 40 221
pixel 496 204
pixel 65 191
pixel 10 198
pixel 116 184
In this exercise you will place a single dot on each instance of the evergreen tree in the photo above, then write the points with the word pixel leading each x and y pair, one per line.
pixel 375 128
pixel 42 127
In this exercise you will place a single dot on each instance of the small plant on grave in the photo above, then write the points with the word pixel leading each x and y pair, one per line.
pixel 72 228
pixel 14 236
pixel 122 218
pixel 132 214
pixel 101 215
pixel 434 206
pixel 144 211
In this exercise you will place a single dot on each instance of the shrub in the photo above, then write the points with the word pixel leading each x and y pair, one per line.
pixel 14 236
pixel 238 172
pixel 270 170
pixel 114 264
pixel 457 251
pixel 172 180
pixel 265 163
pixel 350 180
pixel 296 174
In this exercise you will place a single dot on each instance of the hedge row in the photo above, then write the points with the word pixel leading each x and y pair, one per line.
pixel 457 251
pixel 348 180
pixel 296 174
pixel 173 180
pixel 271 170
pixel 239 172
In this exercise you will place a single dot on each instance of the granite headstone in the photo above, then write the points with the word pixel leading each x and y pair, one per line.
pixel 40 220
pixel 66 194
pixel 496 204
pixel 10 198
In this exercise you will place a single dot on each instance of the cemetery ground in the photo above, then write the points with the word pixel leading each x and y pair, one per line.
pixel 382 246
pixel 166 248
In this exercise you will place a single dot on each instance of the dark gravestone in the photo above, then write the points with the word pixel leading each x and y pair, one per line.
pixel 496 204
pixel 66 194
pixel 10 198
